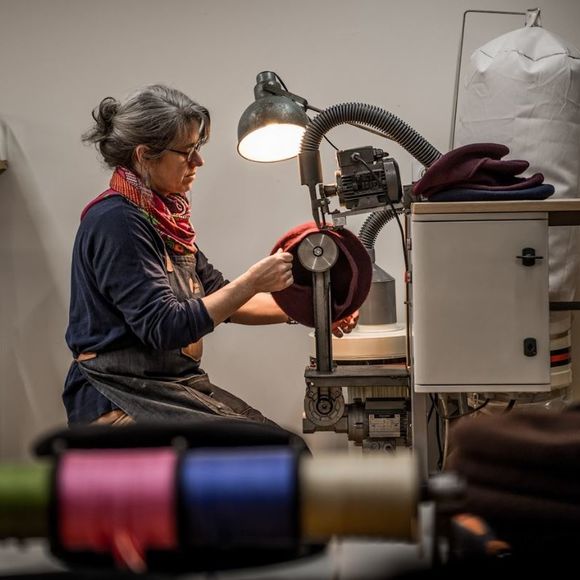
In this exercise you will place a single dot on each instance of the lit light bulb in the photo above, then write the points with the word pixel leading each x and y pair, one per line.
pixel 273 142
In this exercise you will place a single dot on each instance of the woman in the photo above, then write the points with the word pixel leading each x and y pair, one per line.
pixel 143 294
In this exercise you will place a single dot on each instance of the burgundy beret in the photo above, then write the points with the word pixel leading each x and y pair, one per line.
pixel 476 166
pixel 350 277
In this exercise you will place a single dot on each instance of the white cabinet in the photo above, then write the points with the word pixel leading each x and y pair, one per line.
pixel 479 311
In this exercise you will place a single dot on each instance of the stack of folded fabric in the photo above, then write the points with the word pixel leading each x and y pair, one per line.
pixel 476 172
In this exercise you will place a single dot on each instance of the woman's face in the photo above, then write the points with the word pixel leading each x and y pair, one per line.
pixel 174 171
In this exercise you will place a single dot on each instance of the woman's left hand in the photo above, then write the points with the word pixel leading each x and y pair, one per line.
pixel 345 325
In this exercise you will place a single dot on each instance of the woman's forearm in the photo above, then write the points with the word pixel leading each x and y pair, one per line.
pixel 268 275
pixel 226 301
pixel 261 309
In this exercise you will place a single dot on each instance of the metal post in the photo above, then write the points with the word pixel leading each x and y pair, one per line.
pixel 322 321
pixel 318 253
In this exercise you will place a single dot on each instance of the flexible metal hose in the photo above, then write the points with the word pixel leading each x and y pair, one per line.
pixel 372 226
pixel 375 118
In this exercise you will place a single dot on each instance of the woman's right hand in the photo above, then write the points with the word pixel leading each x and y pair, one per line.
pixel 272 273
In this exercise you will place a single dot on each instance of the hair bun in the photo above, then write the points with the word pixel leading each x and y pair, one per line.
pixel 105 113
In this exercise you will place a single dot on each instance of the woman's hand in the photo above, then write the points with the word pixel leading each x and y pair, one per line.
pixel 268 275
pixel 345 325
pixel 272 273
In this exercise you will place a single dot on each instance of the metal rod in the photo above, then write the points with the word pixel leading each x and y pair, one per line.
pixel 322 321
pixel 459 58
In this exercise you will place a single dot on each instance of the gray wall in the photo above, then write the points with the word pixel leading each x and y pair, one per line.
pixel 58 58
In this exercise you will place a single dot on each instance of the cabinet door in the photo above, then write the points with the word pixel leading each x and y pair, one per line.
pixel 474 304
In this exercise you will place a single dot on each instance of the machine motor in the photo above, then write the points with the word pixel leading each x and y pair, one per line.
pixel 357 187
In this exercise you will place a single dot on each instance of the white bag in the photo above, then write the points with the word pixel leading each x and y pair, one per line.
pixel 524 92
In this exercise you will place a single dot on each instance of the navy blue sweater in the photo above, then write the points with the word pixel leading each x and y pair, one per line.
pixel 120 296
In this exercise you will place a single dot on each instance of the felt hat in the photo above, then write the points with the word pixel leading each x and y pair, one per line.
pixel 350 277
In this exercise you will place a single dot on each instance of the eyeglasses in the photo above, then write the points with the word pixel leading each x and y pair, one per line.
pixel 190 153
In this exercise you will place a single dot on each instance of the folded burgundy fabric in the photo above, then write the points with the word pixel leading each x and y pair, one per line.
pixel 350 277
pixel 476 166
pixel 521 439
pixel 522 473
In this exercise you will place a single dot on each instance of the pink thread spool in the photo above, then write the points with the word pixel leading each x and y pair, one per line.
pixel 118 501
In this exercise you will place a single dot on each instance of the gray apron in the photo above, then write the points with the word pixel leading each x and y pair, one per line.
pixel 156 385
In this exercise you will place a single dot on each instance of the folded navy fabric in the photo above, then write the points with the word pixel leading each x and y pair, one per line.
pixel 469 194
pixel 350 277
pixel 476 166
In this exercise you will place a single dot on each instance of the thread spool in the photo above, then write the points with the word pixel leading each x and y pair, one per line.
pixel 358 496
pixel 240 497
pixel 24 500
pixel 121 502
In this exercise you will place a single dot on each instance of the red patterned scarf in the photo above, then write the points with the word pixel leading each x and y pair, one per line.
pixel 169 214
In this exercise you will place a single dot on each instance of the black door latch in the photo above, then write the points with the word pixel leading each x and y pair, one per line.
pixel 530 347
pixel 529 257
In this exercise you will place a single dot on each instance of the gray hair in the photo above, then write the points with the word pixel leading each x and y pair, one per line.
pixel 155 116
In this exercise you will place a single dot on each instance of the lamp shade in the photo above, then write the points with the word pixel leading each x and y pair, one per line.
pixel 271 128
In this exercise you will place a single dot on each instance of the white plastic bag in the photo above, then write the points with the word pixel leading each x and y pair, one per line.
pixel 524 92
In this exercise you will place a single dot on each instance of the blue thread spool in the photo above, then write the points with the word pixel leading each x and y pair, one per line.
pixel 241 497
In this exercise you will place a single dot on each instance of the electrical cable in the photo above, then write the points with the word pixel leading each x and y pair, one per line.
pixel 373 225
pixel 458 416
pixel 438 437
pixel 282 82
pixel 430 414
pixel 331 143
pixel 327 139
pixel 316 110
pixel 510 406
pixel 446 434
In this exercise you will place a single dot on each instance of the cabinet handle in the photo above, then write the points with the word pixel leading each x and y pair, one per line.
pixel 529 257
